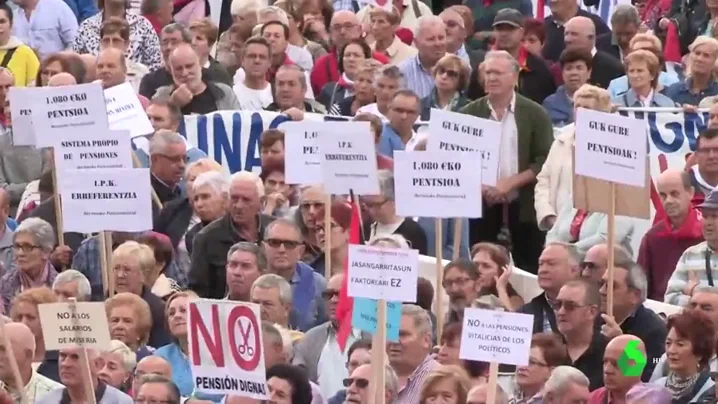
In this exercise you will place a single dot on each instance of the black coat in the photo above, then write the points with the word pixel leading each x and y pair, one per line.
pixel 173 219
pixel 605 68
pixel 538 307
pixel 606 44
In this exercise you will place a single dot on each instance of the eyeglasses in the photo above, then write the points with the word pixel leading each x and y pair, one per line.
pixel 459 282
pixel 26 248
pixel 451 73
pixel 360 382
pixel 330 294
pixel 288 244
pixel 568 305
pixel 174 159
pixel 374 205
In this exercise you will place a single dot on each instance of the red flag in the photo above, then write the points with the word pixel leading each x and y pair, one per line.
pixel 672 52
pixel 346 303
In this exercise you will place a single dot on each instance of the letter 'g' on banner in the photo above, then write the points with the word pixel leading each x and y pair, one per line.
pixel 225 347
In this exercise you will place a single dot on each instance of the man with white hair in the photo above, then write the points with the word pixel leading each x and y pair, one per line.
pixel 479 395
pixel 72 284
pixel 242 222
pixel 566 385
pixel 168 156
pixel 273 295
pixel 35 385
pixel 410 12
pixel 580 34
pixel 430 41
pixel 357 385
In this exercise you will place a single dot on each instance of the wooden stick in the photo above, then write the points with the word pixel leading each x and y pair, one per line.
pixel 611 250
pixel 84 360
pixel 378 357
pixel 155 197
pixel 103 264
pixel 438 300
pixel 108 253
pixel 10 353
pixel 457 239
pixel 58 202
pixel 493 382
pixel 328 237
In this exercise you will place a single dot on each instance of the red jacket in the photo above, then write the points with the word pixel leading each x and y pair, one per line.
pixel 326 69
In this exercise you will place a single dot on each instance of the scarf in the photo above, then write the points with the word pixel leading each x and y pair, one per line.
pixel 26 282
pixel 453 105
pixel 690 228
pixel 345 83
pixel 680 387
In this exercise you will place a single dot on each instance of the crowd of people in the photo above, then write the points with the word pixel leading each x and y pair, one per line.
pixel 253 238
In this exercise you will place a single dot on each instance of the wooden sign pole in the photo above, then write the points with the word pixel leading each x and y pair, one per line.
pixel 108 253
pixel 493 382
pixel 155 197
pixel 58 202
pixel 438 300
pixel 104 264
pixel 328 237
pixel 611 250
pixel 10 353
pixel 84 358
pixel 456 253
pixel 378 360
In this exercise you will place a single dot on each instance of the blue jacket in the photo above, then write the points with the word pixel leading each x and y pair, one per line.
pixel 629 99
pixel 559 107
pixel 182 372
pixel 82 9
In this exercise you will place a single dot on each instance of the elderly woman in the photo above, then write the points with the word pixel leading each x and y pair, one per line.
pixel 451 77
pixel 120 362
pixel 363 90
pixel 642 70
pixel 547 352
pixel 131 264
pixel 446 384
pixel 158 281
pixel 24 310
pixel 384 221
pixel 689 346
pixel 387 81
pixel 130 322
pixel 72 284
pixel 278 194
pixel 494 264
pixel 351 56
pixel 210 199
pixel 33 243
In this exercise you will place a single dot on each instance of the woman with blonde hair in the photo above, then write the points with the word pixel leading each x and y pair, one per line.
pixel 363 90
pixel 446 384
pixel 642 69
pixel 120 361
pixel 24 309
pixel 130 321
pixel 132 264
pixel 451 78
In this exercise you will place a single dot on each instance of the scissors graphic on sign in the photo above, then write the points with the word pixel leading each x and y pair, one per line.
pixel 244 347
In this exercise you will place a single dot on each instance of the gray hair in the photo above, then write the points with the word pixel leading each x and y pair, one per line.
pixel 386 184
pixel 397 240
pixel 706 289
pixel 274 281
pixel 240 6
pixel 178 27
pixel 390 72
pixel 271 331
pixel 174 393
pixel 574 256
pixel 283 222
pixel 287 342
pixel 294 68
pixel 249 177
pixel 421 318
pixel 391 381
pixel 269 10
pixel 502 54
pixel 251 248
pixel 40 230
pixel 625 14
pixel 218 182
pixel 426 21
pixel 84 290
pixel 636 278
pixel 128 356
pixel 501 396
pixel 561 377
pixel 162 139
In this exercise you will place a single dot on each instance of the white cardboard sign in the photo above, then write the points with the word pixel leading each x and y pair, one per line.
pixel 23 133
pixel 426 183
pixel 85 326
pixel 58 112
pixel 302 161
pixel 611 147
pixel 103 150
pixel 125 112
pixel 114 200
pixel 454 132
pixel 496 336
pixel 383 273
pixel 226 352
pixel 348 159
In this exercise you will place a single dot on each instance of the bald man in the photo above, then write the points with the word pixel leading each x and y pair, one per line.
pixel 561 12
pixel 665 242
pixel 34 384
pixel 62 79
pixel 580 34
pixel 479 395
pixel 6 234
pixel 111 67
pixel 618 381
pixel 152 364
pixel 595 262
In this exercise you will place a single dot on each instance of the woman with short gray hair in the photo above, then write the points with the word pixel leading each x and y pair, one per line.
pixel 33 243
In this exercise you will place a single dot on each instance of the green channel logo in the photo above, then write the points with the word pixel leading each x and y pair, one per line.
pixel 632 361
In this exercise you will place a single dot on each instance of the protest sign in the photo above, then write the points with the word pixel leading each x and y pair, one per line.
pixel 348 159
pixel 425 183
pixel 89 151
pixel 61 111
pixel 610 147
pixel 65 327
pixel 364 317
pixel 495 336
pixel 383 273
pixel 23 133
pixel 452 131
pixel 225 348
pixel 113 200
pixel 302 162
pixel 125 112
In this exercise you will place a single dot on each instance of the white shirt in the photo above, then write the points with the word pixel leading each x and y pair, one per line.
pixel 252 99
pixel 374 110
pixel 330 375
pixel 509 148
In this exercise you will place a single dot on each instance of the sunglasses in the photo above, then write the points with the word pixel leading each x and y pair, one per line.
pixel 330 294
pixel 453 74
pixel 288 244
pixel 361 383
pixel 568 305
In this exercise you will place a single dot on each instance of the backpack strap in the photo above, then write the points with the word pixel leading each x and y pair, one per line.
pixel 8 56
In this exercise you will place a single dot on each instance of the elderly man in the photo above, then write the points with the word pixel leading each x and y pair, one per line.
pixel 72 284
pixel 479 395
pixel 595 262
pixel 566 385
pixel 527 138
pixel 150 365
pixel 245 263
pixel 460 283
pixel 359 353
pixel 456 33
pixel 157 389
pixel 243 222
pixel 664 243
pixel 576 308
pixel 625 22
pixel 398 133
pixel 283 244
pixel 112 70
pixel 629 315
pixel 168 155
pixel 273 294
pixel 430 41
pixel 383 25
pixel 558 264
pixel 35 386
pixel 5 233
pixel 72 377
pixel 358 385
pixel 410 357
pixel 290 90
pixel 561 12
pixel 7 80
pixel 701 83
pixel 616 382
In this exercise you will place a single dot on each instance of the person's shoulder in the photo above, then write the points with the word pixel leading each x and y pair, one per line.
pixel 527 103
pixel 52 396
pixel 115 396
pixel 211 228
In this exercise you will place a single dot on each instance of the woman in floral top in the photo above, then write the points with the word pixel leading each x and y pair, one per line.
pixel 144 44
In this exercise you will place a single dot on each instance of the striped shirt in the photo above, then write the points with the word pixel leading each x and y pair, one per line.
pixel 693 259
pixel 411 392
pixel 416 77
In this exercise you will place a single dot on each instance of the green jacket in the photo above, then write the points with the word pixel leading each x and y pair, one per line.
pixel 535 136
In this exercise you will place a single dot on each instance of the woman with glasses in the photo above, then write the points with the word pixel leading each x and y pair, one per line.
pixel 120 361
pixel 24 310
pixel 451 77
pixel 130 321
pixel 547 352
pixel 446 384
pixel 689 346
pixel 33 243
pixel 339 227
pixel 494 266
pixel 350 56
